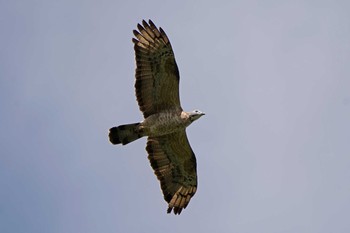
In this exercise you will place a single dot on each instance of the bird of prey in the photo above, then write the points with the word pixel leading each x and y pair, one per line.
pixel 157 92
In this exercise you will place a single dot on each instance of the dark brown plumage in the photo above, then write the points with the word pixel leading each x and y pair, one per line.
pixel 157 75
pixel 157 93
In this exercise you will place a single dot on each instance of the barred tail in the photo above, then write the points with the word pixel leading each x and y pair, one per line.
pixel 124 134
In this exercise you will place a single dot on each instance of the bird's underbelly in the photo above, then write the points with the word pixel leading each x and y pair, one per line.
pixel 162 124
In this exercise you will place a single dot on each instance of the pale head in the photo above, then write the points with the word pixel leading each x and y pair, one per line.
pixel 195 114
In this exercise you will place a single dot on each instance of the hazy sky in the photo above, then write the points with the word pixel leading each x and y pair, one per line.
pixel 273 150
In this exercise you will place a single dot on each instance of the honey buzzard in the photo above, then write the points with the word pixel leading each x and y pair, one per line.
pixel 157 92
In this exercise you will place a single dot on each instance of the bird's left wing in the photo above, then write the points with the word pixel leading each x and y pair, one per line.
pixel 174 164
pixel 157 75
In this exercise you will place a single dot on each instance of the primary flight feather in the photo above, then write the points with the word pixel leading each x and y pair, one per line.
pixel 157 92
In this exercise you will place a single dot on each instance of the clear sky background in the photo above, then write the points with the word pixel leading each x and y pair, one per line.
pixel 273 150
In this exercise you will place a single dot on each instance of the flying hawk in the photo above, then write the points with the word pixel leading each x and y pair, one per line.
pixel 157 92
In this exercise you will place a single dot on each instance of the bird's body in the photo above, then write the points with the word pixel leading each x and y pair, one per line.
pixel 165 122
pixel 157 92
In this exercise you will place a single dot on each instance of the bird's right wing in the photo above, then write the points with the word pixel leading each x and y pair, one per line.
pixel 174 164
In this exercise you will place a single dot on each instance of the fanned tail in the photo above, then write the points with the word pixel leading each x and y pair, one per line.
pixel 125 134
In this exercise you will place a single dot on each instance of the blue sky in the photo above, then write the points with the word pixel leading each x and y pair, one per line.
pixel 273 150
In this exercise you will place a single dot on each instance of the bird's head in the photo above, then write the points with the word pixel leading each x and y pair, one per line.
pixel 195 114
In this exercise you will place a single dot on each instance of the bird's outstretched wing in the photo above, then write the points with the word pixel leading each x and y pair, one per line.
pixel 174 164
pixel 157 75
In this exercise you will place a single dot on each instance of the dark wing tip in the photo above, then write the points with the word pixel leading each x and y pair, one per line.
pixel 144 23
pixel 161 30
pixel 176 210
pixel 135 41
pixel 139 26
pixel 164 35
pixel 136 33
pixel 151 23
